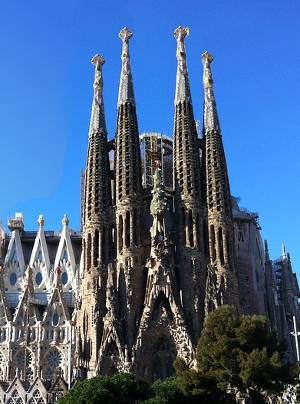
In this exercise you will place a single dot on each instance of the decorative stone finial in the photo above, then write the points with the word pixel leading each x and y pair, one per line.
pixel 283 254
pixel 97 124
pixel 211 120
pixel 181 32
pixel 125 34
pixel 57 277
pixel 98 61
pixel 41 220
pixel 183 92
pixel 29 277
pixel 207 58
pixel 126 93
pixel 65 220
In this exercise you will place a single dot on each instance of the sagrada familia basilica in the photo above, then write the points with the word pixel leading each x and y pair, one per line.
pixel 130 291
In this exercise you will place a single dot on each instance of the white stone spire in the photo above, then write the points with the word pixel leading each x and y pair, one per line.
pixel 126 93
pixel 283 253
pixel 40 249
pixel 211 120
pixel 183 92
pixel 97 124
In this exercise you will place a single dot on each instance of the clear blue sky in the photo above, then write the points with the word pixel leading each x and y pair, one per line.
pixel 46 89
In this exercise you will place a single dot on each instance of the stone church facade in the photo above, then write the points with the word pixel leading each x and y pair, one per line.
pixel 131 290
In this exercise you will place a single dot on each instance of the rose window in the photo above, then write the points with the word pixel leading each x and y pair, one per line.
pixel 52 364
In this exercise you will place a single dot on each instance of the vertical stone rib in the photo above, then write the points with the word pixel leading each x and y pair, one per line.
pixel 220 223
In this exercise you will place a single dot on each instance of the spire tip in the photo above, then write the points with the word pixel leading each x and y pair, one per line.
pixel 125 34
pixel 65 220
pixel 98 60
pixel 207 57
pixel 41 220
pixel 283 253
pixel 181 32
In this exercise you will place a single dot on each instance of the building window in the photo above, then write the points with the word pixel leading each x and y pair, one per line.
pixel 38 278
pixel 55 318
pixel 13 278
pixel 64 278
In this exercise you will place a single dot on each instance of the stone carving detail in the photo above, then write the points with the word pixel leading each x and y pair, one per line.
pixel 162 308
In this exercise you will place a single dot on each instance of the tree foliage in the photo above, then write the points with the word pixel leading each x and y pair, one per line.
pixel 120 388
pixel 240 351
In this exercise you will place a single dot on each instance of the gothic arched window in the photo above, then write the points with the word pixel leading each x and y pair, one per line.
pixel 36 398
pixel 15 398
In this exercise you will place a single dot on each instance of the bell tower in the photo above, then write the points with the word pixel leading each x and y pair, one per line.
pixel 222 267
pixel 97 231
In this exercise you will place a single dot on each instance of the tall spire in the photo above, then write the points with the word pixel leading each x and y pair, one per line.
pixel 220 222
pixel 283 252
pixel 97 181
pixel 188 192
pixel 97 124
pixel 128 160
pixel 186 156
pixel 97 229
pixel 126 93
pixel 128 180
pixel 183 92
pixel 218 189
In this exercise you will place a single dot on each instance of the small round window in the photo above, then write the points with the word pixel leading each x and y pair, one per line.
pixel 13 278
pixel 55 318
pixel 38 278
pixel 64 278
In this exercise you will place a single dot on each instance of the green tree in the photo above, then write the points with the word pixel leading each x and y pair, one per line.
pixel 197 387
pixel 240 351
pixel 120 388
pixel 166 392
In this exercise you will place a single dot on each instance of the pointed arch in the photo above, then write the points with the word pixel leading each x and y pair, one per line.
pixel 15 398
pixel 65 251
pixel 109 359
pixel 36 398
pixel 161 303
pixel 40 250
pixel 15 252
